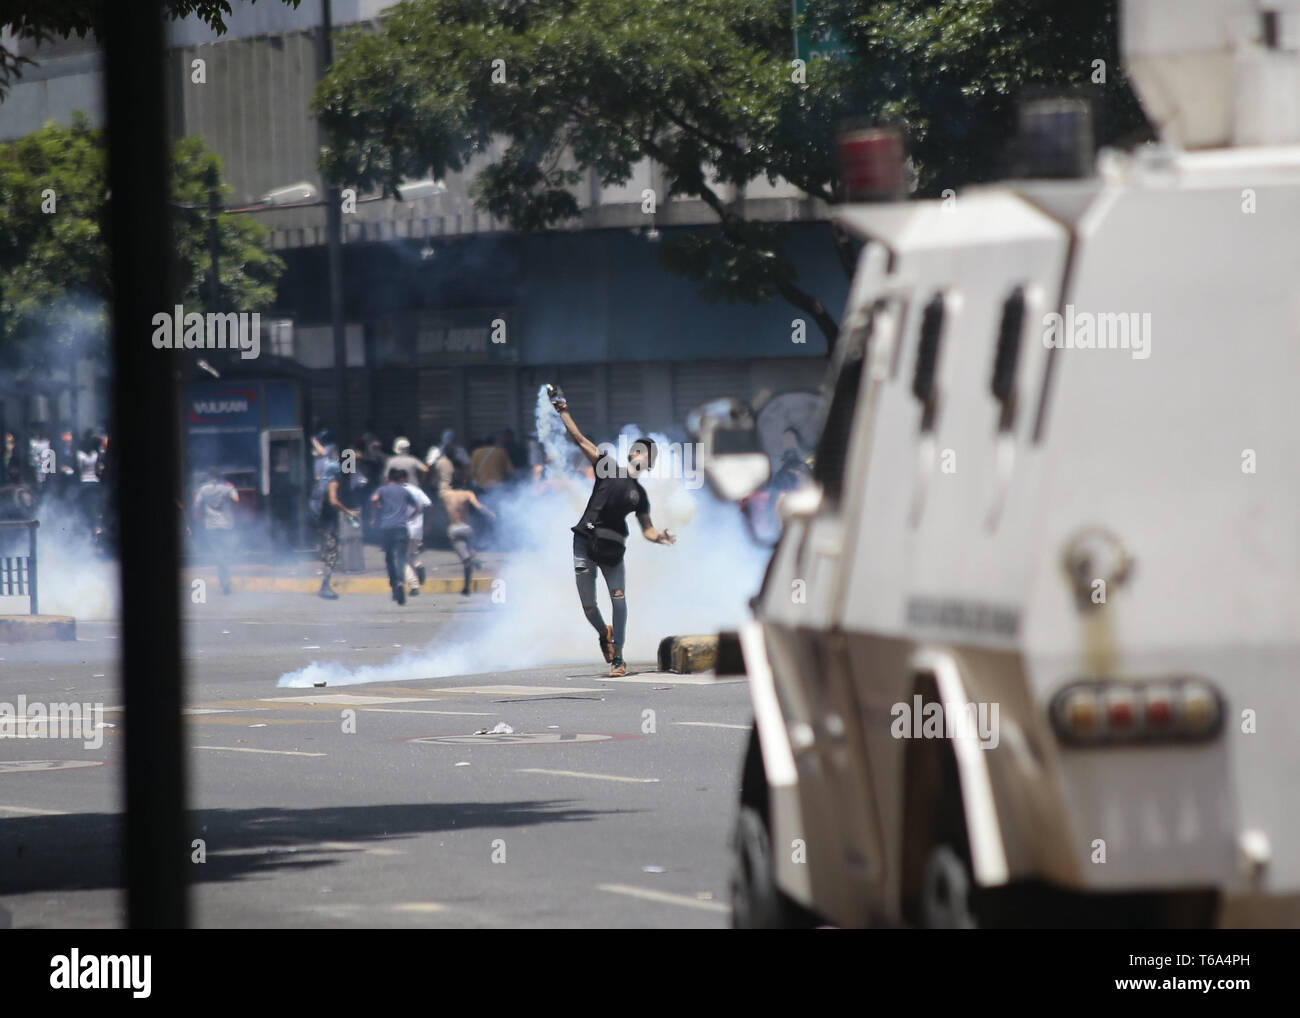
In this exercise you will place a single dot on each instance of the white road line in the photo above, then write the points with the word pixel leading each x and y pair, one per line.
pixel 584 774
pixel 663 897
pixel 33 811
pixel 342 699
pixel 712 724
pixel 416 710
pixel 218 710
pixel 509 690
pixel 419 906
pixel 245 749
pixel 661 679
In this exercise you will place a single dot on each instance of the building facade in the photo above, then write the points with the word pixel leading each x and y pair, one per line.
pixel 452 319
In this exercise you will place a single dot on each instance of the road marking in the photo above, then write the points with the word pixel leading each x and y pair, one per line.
pixel 344 699
pixel 246 749
pixel 712 724
pixel 307 848
pixel 417 710
pixel 238 721
pixel 662 679
pixel 514 690
pixel 351 846
pixel 28 766
pixel 663 897
pixel 33 811
pixel 584 774
pixel 419 906
pixel 516 738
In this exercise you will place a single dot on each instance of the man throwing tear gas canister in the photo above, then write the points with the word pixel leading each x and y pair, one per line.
pixel 600 537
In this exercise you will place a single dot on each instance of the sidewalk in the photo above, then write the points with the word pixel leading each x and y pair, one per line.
pixel 442 570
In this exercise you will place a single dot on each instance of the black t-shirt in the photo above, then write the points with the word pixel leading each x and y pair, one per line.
pixel 329 516
pixel 615 495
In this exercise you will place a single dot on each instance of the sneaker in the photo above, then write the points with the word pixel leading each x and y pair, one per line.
pixel 400 594
pixel 413 591
pixel 617 667
pixel 419 572
pixel 327 593
pixel 607 643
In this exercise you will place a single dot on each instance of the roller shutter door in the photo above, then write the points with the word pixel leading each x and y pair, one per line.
pixel 438 405
pixel 625 390
pixel 696 382
pixel 489 402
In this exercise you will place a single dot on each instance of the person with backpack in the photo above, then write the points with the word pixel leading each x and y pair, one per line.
pixel 600 537
pixel 325 508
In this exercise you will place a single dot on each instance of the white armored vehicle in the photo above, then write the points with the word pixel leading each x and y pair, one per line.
pixel 1028 650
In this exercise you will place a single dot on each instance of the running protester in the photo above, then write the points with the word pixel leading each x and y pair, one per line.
pixel 458 502
pixel 213 505
pixel 392 505
pixel 600 537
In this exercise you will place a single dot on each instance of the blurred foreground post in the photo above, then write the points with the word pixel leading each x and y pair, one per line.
pixel 146 444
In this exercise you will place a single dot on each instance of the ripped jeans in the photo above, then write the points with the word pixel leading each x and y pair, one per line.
pixel 584 572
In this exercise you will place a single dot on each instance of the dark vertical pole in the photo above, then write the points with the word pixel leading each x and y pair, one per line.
pixel 32 571
pixel 334 228
pixel 146 444
pixel 214 243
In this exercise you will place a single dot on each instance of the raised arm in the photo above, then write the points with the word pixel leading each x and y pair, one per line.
pixel 587 446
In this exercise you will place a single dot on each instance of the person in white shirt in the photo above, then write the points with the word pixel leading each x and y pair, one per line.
pixel 213 505
pixel 415 534
pixel 88 459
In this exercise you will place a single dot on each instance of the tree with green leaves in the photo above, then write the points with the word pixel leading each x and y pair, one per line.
pixel 951 73
pixel 706 89
pixel 54 272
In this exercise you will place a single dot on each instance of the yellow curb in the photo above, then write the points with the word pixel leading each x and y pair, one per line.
pixel 342 584
pixel 22 628
pixel 687 654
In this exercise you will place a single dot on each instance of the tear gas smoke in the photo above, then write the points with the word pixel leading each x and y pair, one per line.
pixel 699 585
pixel 72 578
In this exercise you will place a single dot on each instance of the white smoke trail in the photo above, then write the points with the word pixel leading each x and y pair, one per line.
pixel 699 585
pixel 72 579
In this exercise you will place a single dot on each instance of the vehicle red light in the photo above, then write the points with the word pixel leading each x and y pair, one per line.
pixel 871 164
pixel 1120 714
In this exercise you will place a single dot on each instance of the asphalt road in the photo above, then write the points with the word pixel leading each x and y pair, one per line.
pixel 375 805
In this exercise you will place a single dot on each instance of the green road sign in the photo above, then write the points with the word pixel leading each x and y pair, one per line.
pixel 815 41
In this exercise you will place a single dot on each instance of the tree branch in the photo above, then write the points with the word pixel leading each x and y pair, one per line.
pixel 729 222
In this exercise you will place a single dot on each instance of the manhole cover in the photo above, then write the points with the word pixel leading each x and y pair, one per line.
pixel 517 738
pixel 46 765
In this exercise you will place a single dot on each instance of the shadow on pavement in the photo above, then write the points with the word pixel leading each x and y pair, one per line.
pixel 82 851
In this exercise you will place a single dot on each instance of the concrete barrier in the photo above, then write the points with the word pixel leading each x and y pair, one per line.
pixel 686 654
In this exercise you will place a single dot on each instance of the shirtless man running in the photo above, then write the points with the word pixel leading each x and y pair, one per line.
pixel 458 503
